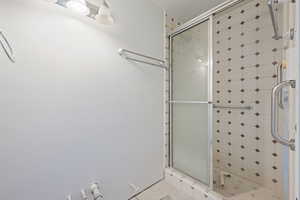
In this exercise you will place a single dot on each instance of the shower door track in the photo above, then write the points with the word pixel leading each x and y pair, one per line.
pixel 206 16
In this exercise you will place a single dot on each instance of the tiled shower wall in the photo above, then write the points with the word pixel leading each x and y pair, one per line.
pixel 245 70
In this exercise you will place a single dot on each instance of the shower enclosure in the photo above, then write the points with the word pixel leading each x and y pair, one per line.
pixel 224 67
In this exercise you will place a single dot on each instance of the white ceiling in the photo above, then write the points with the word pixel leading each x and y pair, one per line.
pixel 184 10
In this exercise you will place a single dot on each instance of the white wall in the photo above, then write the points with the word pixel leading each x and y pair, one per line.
pixel 72 110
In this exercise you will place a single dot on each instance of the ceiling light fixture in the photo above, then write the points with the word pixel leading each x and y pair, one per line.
pixel 104 15
pixel 78 6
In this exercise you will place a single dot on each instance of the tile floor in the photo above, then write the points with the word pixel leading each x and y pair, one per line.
pixel 163 191
pixel 260 194
pixel 166 191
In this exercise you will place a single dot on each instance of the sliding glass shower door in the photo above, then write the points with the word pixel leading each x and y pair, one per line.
pixel 190 102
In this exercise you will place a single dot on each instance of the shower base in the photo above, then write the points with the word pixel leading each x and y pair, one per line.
pixel 259 194
pixel 231 185
pixel 238 188
pixel 167 191
pixel 235 188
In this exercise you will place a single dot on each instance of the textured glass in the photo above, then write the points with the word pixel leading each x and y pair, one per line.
pixel 190 140
pixel 190 127
pixel 190 63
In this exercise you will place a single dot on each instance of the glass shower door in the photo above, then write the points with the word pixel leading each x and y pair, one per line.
pixel 190 102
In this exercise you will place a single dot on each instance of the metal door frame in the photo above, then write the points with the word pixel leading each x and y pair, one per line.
pixel 208 102
pixel 207 16
pixel 297 153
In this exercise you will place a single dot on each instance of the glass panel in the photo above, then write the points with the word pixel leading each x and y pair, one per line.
pixel 190 122
pixel 190 63
pixel 190 140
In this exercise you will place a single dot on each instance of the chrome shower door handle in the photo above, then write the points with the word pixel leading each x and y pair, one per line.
pixel 275 92
pixel 9 52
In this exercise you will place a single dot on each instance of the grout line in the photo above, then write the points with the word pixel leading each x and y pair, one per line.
pixel 134 197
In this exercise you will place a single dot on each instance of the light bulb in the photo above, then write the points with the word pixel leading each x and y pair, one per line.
pixel 78 6
pixel 104 14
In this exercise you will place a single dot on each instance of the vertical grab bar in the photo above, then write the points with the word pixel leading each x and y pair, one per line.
pixel 274 129
pixel 9 53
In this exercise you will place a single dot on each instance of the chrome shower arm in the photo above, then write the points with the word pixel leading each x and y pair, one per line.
pixel 273 18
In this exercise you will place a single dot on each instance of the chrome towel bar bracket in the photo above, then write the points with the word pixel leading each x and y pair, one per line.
pixel 209 102
pixel 234 107
pixel 146 59
pixel 189 102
